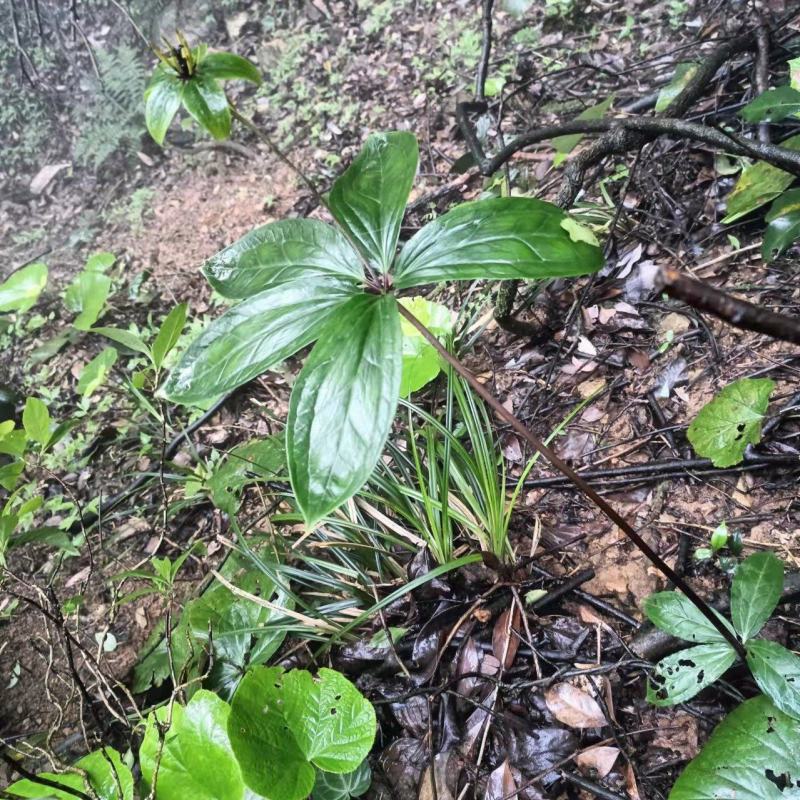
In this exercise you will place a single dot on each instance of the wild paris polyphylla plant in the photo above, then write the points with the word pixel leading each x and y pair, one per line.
pixel 302 281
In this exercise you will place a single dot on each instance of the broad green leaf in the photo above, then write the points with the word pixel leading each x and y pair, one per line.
pixel 682 675
pixel 773 105
pixel 343 404
pixel 279 252
pixel 36 420
pixel 578 232
pixel 130 340
pixel 784 224
pixel 332 722
pixel 100 262
pixel 566 144
pixel 676 614
pixel 205 100
pixel 162 101
pixel 105 773
pixel 755 742
pixel 156 659
pixel 731 421
pixel 755 591
pixel 252 337
pixel 496 239
pixel 342 786
pixel 777 673
pixel 420 359
pixel 94 374
pixel 369 199
pixel 758 184
pixel 197 760
pixel 168 334
pixel 86 296
pixel 21 291
pixel 683 74
pixel 228 66
pixel 271 761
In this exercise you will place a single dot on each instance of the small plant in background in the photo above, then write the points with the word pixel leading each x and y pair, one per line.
pixel 721 540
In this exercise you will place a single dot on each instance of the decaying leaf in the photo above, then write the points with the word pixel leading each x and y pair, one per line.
pixel 574 707
pixel 597 761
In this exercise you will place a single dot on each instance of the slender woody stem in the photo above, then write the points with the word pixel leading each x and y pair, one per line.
pixel 579 483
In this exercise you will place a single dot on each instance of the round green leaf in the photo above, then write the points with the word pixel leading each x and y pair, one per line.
pixel 496 239
pixel 420 360
pixel 754 743
pixel 162 101
pixel 777 673
pixel 205 100
pixel 369 199
pixel 755 591
pixel 252 337
pixel 291 249
pixel 784 224
pixel 732 420
pixel 21 291
pixel 680 676
pixel 228 66
pixel 105 772
pixel 343 404
pixel 196 760
pixel 333 786
pixel 332 722
pixel 271 761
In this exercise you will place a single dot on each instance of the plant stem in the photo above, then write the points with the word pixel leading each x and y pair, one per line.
pixel 579 483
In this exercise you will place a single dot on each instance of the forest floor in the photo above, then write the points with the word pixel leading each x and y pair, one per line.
pixel 636 366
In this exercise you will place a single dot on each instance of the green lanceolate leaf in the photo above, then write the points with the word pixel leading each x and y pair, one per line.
pixel 755 591
pixel 420 360
pixel 162 101
pixel 777 673
pixel 676 614
pixel 683 74
pixel 36 420
pixel 564 145
pixel 197 760
pixel 105 776
pixel 332 722
pixel 228 66
pixel 86 296
pixel 773 105
pixel 333 786
pixel 288 250
pixel 252 337
pixel 21 291
pixel 270 759
pixel 93 375
pixel 343 403
pixel 205 100
pixel 497 239
pixel 126 338
pixel 680 676
pixel 731 421
pixel 784 224
pixel 168 334
pixel 758 184
pixel 369 199
pixel 755 741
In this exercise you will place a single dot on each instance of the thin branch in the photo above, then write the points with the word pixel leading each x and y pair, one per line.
pixel 486 51
pixel 738 313
pixel 578 481
pixel 762 72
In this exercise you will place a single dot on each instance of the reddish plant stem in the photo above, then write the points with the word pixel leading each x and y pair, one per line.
pixel 561 465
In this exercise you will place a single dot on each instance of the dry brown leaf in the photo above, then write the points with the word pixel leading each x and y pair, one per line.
pixel 630 782
pixel 501 784
pixel 505 641
pixel 574 707
pixel 598 761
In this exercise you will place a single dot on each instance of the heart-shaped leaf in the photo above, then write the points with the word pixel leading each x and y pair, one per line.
pixel 21 291
pixel 680 676
pixel 369 199
pixel 343 403
pixel 751 755
pixel 496 239
pixel 342 786
pixel 755 591
pixel 250 338
pixel 288 250
pixel 731 421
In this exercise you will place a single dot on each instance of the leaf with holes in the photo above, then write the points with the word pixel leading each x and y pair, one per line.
pixel 732 420
pixel 751 755
pixel 676 614
pixel 755 591
pixel 777 673
pixel 680 676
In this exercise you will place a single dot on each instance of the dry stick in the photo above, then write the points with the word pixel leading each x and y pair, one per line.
pixel 762 71
pixel 486 50
pixel 577 480
pixel 738 313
